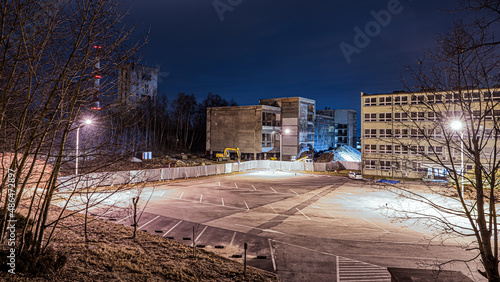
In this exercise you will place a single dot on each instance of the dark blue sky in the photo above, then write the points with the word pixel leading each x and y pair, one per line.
pixel 266 49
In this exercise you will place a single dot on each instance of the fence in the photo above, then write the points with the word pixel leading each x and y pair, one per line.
pixel 162 174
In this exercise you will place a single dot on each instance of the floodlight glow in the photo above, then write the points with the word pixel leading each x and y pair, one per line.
pixel 287 131
pixel 456 125
pixel 88 121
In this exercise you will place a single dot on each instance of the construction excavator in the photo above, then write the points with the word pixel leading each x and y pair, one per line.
pixel 227 154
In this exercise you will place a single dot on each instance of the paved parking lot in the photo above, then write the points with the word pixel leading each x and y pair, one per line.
pixel 303 226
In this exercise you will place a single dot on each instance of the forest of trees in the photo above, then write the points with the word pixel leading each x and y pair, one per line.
pixel 177 125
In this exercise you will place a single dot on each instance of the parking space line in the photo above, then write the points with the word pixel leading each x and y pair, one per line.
pixel 317 195
pixel 272 255
pixel 273 189
pixel 273 209
pixel 235 185
pixel 148 222
pixel 303 214
pixel 376 225
pixel 219 183
pixel 162 193
pixel 246 205
pixel 124 218
pixel 201 197
pixel 201 233
pixel 171 228
pixel 111 210
pixel 180 197
pixel 222 201
pixel 232 239
pixel 254 188
pixel 295 192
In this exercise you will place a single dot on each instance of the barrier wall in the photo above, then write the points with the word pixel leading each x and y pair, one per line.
pixel 150 175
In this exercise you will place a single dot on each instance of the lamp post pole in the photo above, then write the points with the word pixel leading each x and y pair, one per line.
pixel 77 145
pixel 281 149
pixel 88 121
pixel 462 163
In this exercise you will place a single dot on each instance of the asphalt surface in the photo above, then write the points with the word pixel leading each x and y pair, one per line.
pixel 305 227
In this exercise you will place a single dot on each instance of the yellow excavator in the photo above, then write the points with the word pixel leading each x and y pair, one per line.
pixel 227 153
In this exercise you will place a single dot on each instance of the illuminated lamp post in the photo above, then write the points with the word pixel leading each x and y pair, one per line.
pixel 457 125
pixel 87 122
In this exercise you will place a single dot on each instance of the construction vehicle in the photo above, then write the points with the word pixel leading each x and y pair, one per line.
pixel 227 154
pixel 304 159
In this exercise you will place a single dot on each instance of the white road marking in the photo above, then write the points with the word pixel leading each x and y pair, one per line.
pixel 201 197
pixel 273 209
pixel 162 193
pixel 172 228
pixel 232 239
pixel 222 201
pixel 201 233
pixel 295 192
pixel 235 185
pixel 303 214
pixel 111 210
pixel 273 189
pixel 376 225
pixel 180 197
pixel 337 267
pixel 124 218
pixel 272 255
pixel 246 205
pixel 317 195
pixel 254 188
pixel 148 222
pixel 219 183
pixel 264 230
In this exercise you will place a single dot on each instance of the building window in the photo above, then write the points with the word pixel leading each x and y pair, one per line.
pixel 266 140
pixel 385 116
pixel 385 149
pixel 417 99
pixel 370 102
pixel 385 133
pixel 385 165
pixel 416 167
pixel 370 117
pixel 382 101
pixel 399 117
pixel 370 149
pixel 370 133
pixel 401 150
pixel 401 133
pixel 401 100
pixel 436 150
pixel 370 164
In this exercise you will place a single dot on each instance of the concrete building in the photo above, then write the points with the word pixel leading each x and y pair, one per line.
pixel 297 116
pixel 137 83
pixel 403 134
pixel 252 129
pixel 346 123
pixel 324 132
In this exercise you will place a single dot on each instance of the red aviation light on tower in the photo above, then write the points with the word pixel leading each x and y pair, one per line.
pixel 97 47
pixel 96 103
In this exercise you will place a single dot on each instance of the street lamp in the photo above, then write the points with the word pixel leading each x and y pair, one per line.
pixel 281 142
pixel 457 125
pixel 87 122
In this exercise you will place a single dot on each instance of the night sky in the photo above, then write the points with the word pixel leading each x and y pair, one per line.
pixel 248 50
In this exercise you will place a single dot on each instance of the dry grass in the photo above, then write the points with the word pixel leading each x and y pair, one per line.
pixel 113 256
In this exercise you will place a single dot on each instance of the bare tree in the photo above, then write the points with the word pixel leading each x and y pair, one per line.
pixel 47 84
pixel 451 123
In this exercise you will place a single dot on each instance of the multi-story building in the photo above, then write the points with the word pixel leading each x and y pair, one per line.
pixel 297 118
pixel 252 129
pixel 346 123
pixel 324 133
pixel 137 83
pixel 409 135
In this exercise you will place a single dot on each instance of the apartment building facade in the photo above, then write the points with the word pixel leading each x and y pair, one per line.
pixel 345 131
pixel 137 83
pixel 408 135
